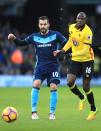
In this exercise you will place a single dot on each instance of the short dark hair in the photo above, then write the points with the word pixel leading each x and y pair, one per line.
pixel 43 18
pixel 82 14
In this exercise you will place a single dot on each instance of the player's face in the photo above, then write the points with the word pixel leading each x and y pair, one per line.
pixel 81 20
pixel 43 26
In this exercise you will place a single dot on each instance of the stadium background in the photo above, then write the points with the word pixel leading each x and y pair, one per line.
pixel 20 17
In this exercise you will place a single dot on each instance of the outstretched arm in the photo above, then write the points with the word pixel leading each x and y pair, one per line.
pixel 66 47
pixel 19 42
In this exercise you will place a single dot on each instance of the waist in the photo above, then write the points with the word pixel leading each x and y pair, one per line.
pixel 81 59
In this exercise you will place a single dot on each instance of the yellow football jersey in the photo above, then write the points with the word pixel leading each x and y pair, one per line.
pixel 80 42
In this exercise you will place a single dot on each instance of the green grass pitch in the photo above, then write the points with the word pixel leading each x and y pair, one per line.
pixel 68 118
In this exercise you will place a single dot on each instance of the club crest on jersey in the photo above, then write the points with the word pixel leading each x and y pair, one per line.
pixel 75 43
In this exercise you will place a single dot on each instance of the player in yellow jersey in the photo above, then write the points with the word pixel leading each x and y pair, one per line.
pixel 82 61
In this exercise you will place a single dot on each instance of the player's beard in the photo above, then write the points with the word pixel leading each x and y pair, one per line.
pixel 79 24
pixel 43 30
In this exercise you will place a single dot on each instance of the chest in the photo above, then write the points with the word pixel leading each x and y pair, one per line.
pixel 44 42
pixel 77 35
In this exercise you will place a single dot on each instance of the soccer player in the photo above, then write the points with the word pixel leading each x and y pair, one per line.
pixel 47 67
pixel 80 41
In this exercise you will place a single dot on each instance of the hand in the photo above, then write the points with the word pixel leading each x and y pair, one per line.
pixel 11 37
pixel 56 53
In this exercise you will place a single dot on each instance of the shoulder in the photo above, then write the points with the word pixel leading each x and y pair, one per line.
pixel 53 32
pixel 88 29
pixel 72 26
pixel 57 33
pixel 31 36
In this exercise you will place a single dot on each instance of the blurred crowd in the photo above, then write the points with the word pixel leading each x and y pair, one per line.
pixel 7 49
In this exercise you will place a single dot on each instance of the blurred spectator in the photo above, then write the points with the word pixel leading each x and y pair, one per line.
pixel 9 64
pixel 97 65
pixel 17 57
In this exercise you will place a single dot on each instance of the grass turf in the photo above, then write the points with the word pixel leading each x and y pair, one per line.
pixel 68 118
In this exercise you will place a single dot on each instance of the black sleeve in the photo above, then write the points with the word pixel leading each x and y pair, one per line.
pixel 62 45
pixel 20 42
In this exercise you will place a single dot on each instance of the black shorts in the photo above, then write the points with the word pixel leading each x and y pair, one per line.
pixel 86 69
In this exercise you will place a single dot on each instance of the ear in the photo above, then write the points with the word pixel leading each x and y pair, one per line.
pixel 49 25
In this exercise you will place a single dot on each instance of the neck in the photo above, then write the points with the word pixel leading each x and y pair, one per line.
pixel 80 27
pixel 45 32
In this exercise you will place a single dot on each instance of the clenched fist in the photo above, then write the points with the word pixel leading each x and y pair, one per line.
pixel 11 37
pixel 55 53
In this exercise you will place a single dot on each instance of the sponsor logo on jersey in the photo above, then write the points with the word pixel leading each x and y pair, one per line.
pixel 44 45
